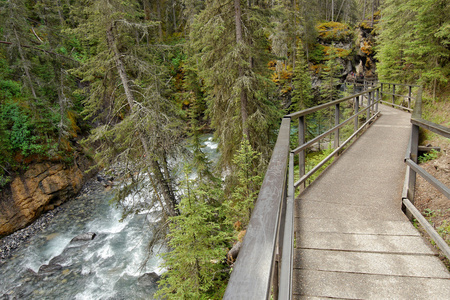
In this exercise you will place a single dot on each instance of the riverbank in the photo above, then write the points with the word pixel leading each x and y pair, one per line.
pixel 11 243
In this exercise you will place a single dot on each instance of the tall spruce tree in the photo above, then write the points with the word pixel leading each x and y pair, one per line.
pixel 302 95
pixel 198 241
pixel 330 76
pixel 139 127
pixel 229 39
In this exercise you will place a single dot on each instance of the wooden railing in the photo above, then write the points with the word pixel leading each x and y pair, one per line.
pixel 264 265
pixel 413 168
pixel 395 95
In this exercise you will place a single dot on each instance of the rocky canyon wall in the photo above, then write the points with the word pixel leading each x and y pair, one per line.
pixel 42 187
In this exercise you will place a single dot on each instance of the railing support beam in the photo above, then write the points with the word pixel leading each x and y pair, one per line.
pixel 393 94
pixel 301 141
pixel 337 115
pixel 356 113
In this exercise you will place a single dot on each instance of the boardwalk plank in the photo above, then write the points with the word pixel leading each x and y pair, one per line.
pixel 370 263
pixel 364 225
pixel 367 286
pixel 363 242
pixel 353 241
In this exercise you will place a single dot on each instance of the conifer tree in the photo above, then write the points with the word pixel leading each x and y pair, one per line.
pixel 198 242
pixel 35 47
pixel 139 126
pixel 16 31
pixel 330 80
pixel 302 95
pixel 413 43
pixel 232 57
pixel 246 182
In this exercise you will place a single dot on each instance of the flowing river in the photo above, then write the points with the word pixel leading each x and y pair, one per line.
pixel 50 266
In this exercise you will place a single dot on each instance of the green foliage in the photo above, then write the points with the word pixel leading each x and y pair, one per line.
pixel 433 154
pixel 239 93
pixel 442 226
pixel 330 76
pixel 18 130
pixel 317 54
pixel 334 31
pixel 4 180
pixel 314 158
pixel 413 43
pixel 245 184
pixel 198 242
pixel 302 96
pixel 9 89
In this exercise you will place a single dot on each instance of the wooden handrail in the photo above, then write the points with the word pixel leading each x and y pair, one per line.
pixel 413 168
pixel 253 271
pixel 264 265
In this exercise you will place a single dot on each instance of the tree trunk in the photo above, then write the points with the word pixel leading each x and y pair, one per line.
pixel 158 11
pixel 169 198
pixel 240 40
pixel 373 10
pixel 147 9
pixel 62 107
pixel 332 10
pixel 61 17
pixel 339 11
pixel 174 16
pixel 364 12
pixel 25 67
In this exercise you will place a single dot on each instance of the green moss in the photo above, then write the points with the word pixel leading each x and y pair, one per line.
pixel 334 31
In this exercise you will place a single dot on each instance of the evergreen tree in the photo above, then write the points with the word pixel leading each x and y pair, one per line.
pixel 413 43
pixel 302 95
pixel 233 64
pixel 330 80
pixel 139 126
pixel 35 49
pixel 198 241
pixel 246 182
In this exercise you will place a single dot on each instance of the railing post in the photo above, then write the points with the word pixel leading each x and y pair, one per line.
pixel 382 90
pixel 369 96
pixel 377 99
pixel 337 114
pixel 356 112
pixel 301 141
pixel 393 95
pixel 414 154
pixel 409 96
pixel 275 281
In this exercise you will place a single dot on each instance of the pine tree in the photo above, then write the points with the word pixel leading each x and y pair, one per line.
pixel 198 241
pixel 35 44
pixel 413 43
pixel 302 95
pixel 232 60
pixel 330 80
pixel 139 126
pixel 246 183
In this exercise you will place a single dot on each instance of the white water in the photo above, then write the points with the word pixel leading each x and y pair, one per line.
pixel 108 267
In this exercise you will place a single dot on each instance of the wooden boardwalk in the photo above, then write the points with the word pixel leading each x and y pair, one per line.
pixel 352 239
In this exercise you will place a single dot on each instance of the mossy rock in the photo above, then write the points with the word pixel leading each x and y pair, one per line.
pixel 334 32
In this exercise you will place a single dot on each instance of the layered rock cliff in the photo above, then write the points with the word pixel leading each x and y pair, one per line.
pixel 42 187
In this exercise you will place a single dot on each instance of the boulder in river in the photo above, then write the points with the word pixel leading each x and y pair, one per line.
pixel 87 236
pixel 46 270
pixel 149 279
